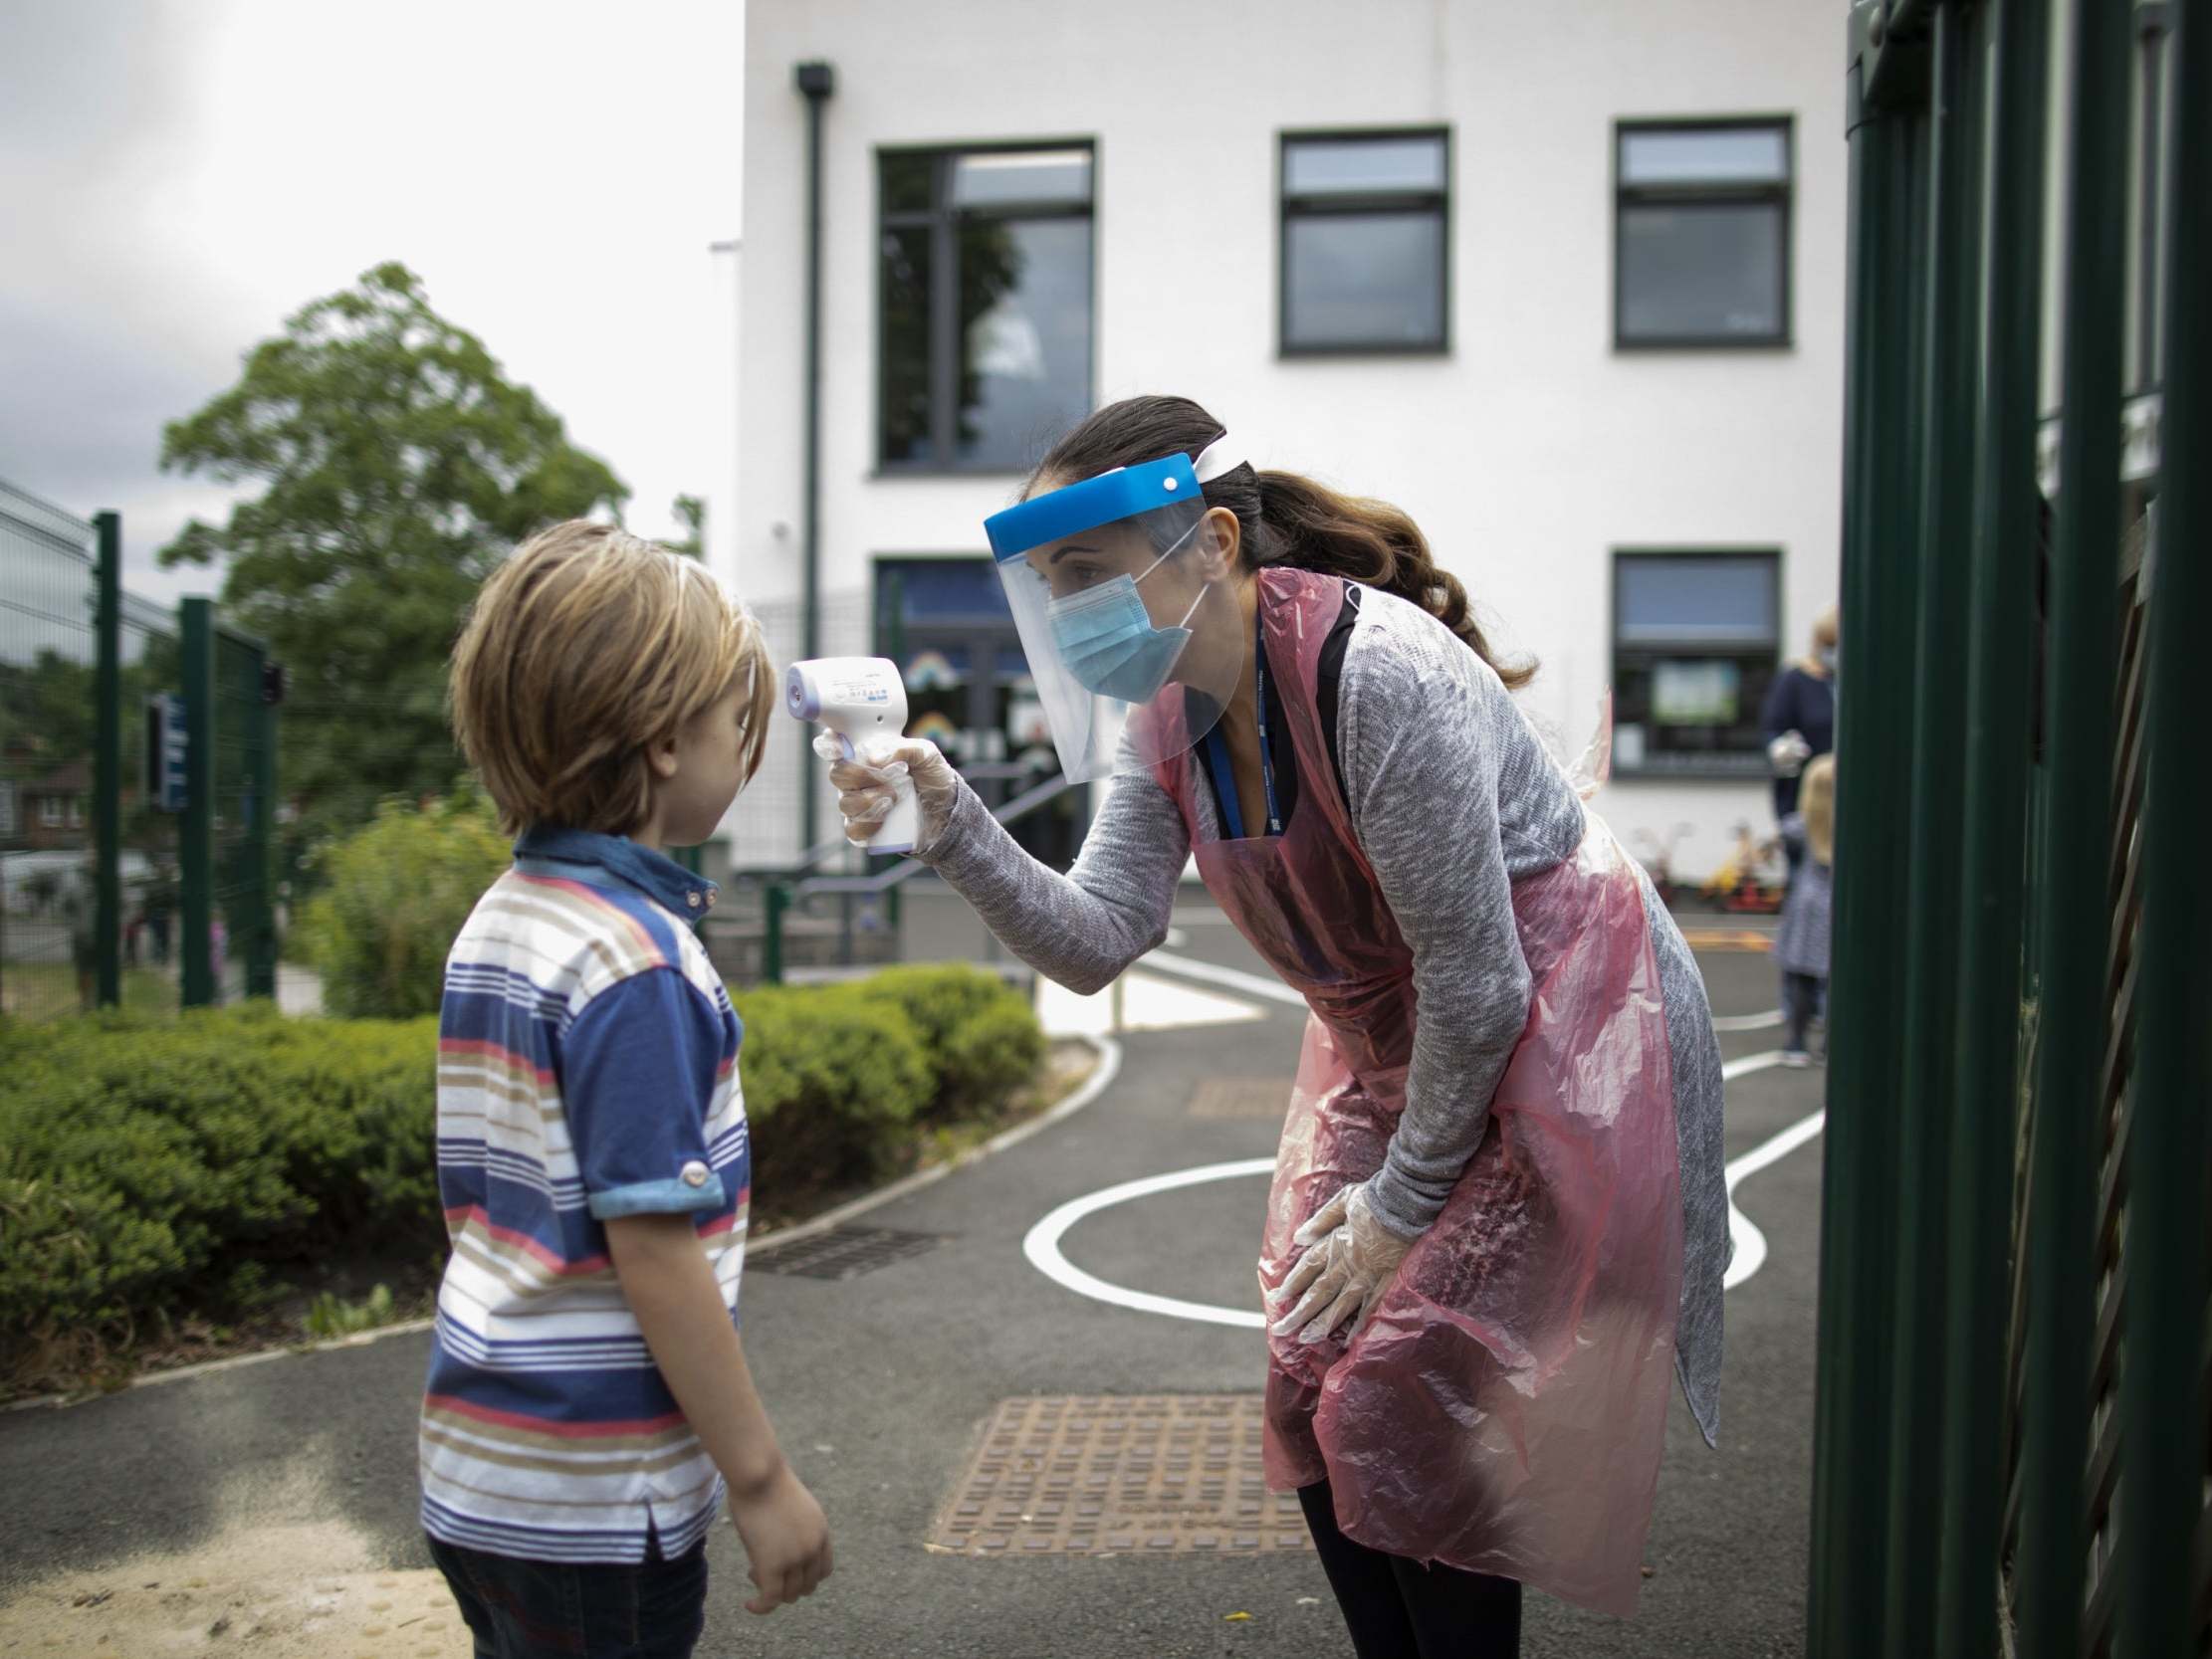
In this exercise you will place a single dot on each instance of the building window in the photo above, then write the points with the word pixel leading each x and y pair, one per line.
pixel 1366 242
pixel 985 304
pixel 50 811
pixel 1696 640
pixel 1701 233
pixel 77 812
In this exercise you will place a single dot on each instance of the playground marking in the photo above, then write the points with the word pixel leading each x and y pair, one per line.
pixel 1750 1252
pixel 1747 1023
pixel 1236 979
pixel 1042 1244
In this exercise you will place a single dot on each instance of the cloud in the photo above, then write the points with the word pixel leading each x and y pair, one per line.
pixel 181 179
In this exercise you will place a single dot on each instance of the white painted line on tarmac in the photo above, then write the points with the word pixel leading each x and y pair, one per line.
pixel 1102 1076
pixel 1043 1245
pixel 1747 1023
pixel 1253 984
pixel 1236 979
pixel 1752 1244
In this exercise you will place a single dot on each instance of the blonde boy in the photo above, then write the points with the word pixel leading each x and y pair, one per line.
pixel 589 1401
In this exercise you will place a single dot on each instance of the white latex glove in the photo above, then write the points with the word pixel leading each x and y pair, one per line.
pixel 867 793
pixel 1789 752
pixel 1350 1260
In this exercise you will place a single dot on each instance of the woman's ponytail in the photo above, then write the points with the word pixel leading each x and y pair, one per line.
pixel 1285 519
pixel 1313 528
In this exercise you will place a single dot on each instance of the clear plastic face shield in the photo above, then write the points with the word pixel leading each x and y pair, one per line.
pixel 1123 591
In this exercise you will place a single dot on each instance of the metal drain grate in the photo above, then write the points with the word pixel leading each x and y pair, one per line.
pixel 1101 1475
pixel 842 1252
pixel 1257 1098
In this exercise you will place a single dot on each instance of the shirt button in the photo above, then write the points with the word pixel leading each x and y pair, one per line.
pixel 692 899
pixel 695 1173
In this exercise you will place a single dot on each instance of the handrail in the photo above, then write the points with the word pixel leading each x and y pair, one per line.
pixel 782 889
pixel 1009 812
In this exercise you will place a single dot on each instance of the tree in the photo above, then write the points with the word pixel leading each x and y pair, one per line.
pixel 46 712
pixel 396 464
pixel 692 510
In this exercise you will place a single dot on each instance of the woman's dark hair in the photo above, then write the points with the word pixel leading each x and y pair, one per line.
pixel 1285 519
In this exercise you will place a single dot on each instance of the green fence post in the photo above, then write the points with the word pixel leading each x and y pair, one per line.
pixel 108 765
pixel 2076 849
pixel 1983 1068
pixel 196 835
pixel 2162 1427
pixel 261 956
pixel 1858 1254
pixel 774 900
pixel 1945 453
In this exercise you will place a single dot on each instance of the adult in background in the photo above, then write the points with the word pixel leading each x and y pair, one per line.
pixel 1800 722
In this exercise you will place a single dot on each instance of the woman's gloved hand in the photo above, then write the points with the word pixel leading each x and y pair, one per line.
pixel 1349 1262
pixel 867 791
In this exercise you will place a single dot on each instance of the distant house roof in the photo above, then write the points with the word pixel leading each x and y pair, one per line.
pixel 71 777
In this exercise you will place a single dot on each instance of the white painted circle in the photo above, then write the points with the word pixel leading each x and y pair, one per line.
pixel 1042 1246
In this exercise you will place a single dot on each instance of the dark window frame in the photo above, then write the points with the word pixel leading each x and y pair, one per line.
pixel 942 219
pixel 1745 765
pixel 1288 207
pixel 1709 194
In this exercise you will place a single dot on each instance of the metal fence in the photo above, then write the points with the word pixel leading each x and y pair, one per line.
pixel 106 897
pixel 51 825
pixel 2011 1449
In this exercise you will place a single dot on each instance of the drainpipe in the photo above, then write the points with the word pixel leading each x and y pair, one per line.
pixel 815 81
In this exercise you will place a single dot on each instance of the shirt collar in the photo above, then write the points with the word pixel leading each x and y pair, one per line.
pixel 656 875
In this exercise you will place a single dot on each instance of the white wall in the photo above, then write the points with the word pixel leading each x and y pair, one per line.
pixel 1527 454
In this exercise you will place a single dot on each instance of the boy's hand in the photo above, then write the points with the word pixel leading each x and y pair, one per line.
pixel 785 1538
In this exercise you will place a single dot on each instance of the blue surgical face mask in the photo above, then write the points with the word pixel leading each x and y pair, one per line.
pixel 1108 641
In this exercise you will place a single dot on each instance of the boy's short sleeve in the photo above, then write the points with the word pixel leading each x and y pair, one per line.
pixel 638 1073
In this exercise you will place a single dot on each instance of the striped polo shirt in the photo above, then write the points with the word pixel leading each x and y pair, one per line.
pixel 586 1069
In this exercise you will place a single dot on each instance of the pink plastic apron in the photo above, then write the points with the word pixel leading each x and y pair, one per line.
pixel 1505 1407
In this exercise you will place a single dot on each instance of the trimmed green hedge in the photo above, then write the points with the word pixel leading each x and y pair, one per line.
pixel 150 1168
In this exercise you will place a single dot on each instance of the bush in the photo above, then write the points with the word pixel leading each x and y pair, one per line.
pixel 398 890
pixel 144 1160
pixel 831 1078
pixel 990 1055
pixel 156 1167
pixel 982 1037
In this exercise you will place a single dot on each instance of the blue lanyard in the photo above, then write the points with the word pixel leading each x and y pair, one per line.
pixel 1266 754
pixel 1224 780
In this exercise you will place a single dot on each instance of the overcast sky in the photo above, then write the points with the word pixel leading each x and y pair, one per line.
pixel 176 178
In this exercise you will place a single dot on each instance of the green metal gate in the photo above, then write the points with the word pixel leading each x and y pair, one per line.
pixel 230 697
pixel 2010 1432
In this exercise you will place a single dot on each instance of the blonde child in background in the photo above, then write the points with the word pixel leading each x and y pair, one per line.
pixel 1801 942
pixel 588 1402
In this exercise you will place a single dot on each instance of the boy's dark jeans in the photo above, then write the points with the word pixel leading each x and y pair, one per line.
pixel 519 1609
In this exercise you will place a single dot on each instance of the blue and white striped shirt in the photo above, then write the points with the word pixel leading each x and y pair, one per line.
pixel 586 1069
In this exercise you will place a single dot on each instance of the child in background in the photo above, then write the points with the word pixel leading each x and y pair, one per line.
pixel 1801 942
pixel 588 1402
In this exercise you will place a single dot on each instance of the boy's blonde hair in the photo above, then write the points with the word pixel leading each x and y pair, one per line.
pixel 585 648
pixel 1816 803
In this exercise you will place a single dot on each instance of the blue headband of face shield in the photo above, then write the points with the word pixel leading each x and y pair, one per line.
pixel 1120 493
pixel 1104 635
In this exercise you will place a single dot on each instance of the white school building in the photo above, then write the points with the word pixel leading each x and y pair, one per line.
pixel 1564 282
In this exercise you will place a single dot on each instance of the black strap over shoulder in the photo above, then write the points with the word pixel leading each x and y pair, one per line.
pixel 1329 681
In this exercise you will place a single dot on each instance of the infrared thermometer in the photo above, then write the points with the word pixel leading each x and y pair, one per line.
pixel 863 700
